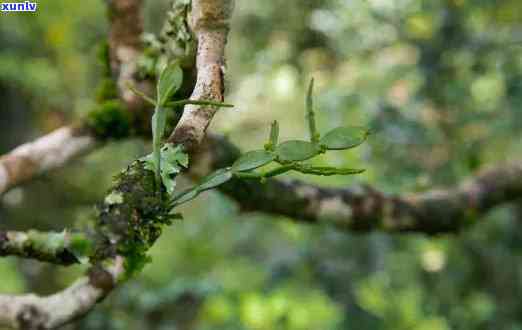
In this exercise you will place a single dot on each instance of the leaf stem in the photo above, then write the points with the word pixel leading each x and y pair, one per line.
pixel 140 94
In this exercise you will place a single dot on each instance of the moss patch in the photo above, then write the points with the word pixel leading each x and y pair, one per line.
pixel 130 227
pixel 110 119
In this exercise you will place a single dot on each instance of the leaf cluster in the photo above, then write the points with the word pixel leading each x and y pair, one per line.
pixel 288 156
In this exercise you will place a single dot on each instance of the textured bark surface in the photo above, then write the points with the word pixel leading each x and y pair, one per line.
pixel 210 21
pixel 35 312
pixel 363 207
pixel 51 151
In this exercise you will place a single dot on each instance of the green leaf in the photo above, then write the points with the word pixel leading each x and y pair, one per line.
pixel 209 182
pixel 158 127
pixel 174 155
pixel 172 160
pixel 185 197
pixel 215 179
pixel 344 137
pixel 252 160
pixel 326 170
pixel 310 115
pixel 274 136
pixel 169 82
pixel 295 150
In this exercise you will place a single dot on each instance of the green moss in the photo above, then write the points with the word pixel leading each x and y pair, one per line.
pixel 131 227
pixel 106 90
pixel 110 119
pixel 103 55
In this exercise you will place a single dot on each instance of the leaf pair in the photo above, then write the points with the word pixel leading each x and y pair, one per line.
pixel 169 82
pixel 172 161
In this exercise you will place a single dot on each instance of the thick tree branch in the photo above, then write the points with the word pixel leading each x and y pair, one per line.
pixel 210 24
pixel 63 145
pixel 51 151
pixel 364 208
pixel 34 312
pixel 56 248
pixel 125 47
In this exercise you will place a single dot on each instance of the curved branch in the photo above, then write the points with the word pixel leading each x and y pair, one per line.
pixel 52 247
pixel 362 207
pixel 46 153
pixel 210 24
pixel 30 311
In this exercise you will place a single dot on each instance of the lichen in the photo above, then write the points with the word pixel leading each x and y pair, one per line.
pixel 131 227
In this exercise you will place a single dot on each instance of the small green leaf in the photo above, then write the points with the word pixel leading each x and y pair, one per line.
pixel 310 115
pixel 274 136
pixel 174 154
pixel 326 170
pixel 215 179
pixel 210 181
pixel 158 127
pixel 172 160
pixel 344 137
pixel 295 150
pixel 252 160
pixel 169 82
pixel 185 197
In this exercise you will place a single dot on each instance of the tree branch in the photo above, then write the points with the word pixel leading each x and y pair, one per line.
pixel 52 247
pixel 34 312
pixel 364 208
pixel 51 151
pixel 210 24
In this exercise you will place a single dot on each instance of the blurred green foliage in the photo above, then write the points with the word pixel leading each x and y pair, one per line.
pixel 438 82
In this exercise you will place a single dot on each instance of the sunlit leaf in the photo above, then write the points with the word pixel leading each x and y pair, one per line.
pixel 344 137
pixel 252 160
pixel 169 82
pixel 296 150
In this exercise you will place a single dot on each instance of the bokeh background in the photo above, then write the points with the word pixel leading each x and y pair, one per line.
pixel 438 82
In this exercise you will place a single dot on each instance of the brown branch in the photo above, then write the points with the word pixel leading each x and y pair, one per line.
pixel 52 151
pixel 34 312
pixel 65 144
pixel 46 153
pixel 364 208
pixel 52 247
pixel 210 24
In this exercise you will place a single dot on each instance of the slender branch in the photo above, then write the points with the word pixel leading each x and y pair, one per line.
pixel 56 248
